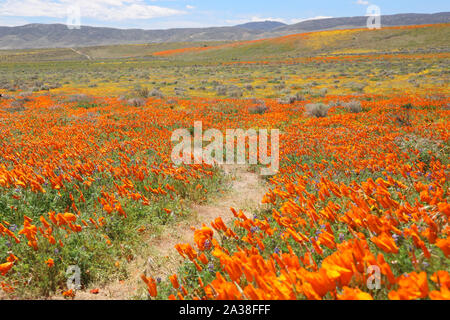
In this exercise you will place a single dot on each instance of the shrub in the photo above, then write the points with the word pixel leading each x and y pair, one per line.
pixel 357 86
pixel 180 91
pixel 25 94
pixel 81 98
pixel 237 93
pixel 156 93
pixel 287 100
pixel 403 118
pixel 353 106
pixel 136 102
pixel 323 92
pixel 221 90
pixel 16 106
pixel 261 108
pixel 142 93
pixel 318 110
pixel 291 99
pixel 299 96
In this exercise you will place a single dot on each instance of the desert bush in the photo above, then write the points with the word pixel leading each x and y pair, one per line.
pixel 290 99
pixel 287 100
pixel 156 93
pixel 353 106
pixel 221 90
pixel 81 98
pixel 141 92
pixel 318 110
pixel 236 93
pixel 16 106
pixel 357 86
pixel 323 92
pixel 55 85
pixel 180 91
pixel 232 91
pixel 299 96
pixel 403 117
pixel 136 102
pixel 260 108
pixel 25 95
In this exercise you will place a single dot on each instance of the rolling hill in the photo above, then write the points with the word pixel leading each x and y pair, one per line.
pixel 401 39
pixel 59 36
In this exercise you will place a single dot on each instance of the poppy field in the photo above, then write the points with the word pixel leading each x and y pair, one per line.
pixel 365 192
pixel 359 208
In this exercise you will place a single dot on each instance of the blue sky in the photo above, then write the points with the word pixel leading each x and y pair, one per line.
pixel 163 14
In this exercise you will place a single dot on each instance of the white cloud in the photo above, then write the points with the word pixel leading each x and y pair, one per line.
pixel 12 21
pixel 362 2
pixel 106 10
pixel 188 6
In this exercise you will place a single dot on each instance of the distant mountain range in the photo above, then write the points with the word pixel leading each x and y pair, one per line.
pixel 261 25
pixel 59 36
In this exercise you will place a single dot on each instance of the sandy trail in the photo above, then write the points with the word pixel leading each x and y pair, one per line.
pixel 81 53
pixel 162 260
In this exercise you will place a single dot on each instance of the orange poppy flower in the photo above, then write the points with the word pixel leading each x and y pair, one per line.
pixel 50 263
pixel 353 294
pixel 174 281
pixel 203 237
pixel 386 243
pixel 69 294
pixel 5 267
pixel 411 286
pixel 151 285
pixel 444 245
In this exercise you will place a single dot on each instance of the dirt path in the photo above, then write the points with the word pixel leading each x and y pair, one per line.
pixel 162 260
pixel 81 54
